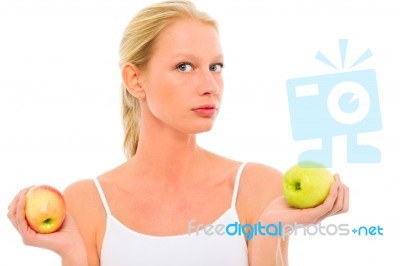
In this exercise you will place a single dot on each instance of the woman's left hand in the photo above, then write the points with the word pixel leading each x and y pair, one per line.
pixel 270 250
pixel 337 202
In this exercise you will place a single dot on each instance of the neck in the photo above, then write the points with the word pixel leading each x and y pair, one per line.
pixel 167 155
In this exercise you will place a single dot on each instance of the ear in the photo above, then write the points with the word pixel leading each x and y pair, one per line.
pixel 130 76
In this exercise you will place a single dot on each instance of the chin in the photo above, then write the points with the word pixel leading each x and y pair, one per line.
pixel 204 130
pixel 201 128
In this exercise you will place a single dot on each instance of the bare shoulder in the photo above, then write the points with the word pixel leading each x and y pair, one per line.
pixel 84 194
pixel 80 194
pixel 84 205
pixel 259 185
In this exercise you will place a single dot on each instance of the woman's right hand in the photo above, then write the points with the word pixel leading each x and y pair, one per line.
pixel 66 242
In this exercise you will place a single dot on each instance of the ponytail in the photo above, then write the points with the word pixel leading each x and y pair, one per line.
pixel 130 120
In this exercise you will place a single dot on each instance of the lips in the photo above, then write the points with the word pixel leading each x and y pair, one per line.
pixel 206 110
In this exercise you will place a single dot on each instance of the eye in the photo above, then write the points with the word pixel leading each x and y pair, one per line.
pixel 217 67
pixel 184 67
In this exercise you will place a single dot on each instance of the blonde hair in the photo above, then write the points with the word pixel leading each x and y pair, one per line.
pixel 136 48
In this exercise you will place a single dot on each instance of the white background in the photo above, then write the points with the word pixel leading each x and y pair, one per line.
pixel 60 105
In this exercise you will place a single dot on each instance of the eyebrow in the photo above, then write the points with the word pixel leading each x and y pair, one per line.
pixel 219 57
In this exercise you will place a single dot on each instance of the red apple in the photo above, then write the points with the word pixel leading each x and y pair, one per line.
pixel 44 209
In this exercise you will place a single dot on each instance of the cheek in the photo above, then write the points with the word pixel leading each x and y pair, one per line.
pixel 163 96
pixel 220 82
pixel 155 100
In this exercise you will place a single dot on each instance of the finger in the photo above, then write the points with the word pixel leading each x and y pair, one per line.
pixel 11 213
pixel 12 209
pixel 16 197
pixel 342 202
pixel 334 191
pixel 28 235
pixel 14 200
pixel 322 210
pixel 20 213
pixel 338 206
pixel 346 200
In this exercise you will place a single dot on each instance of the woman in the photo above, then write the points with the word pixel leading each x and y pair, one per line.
pixel 153 209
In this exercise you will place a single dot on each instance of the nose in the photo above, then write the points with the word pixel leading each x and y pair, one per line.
pixel 209 83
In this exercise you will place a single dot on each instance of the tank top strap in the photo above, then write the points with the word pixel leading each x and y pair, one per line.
pixel 236 187
pixel 102 196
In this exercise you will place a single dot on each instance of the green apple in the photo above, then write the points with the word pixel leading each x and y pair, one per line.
pixel 44 209
pixel 306 184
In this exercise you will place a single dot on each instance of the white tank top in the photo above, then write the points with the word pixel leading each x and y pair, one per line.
pixel 124 246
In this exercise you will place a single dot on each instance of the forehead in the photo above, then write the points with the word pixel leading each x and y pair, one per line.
pixel 188 36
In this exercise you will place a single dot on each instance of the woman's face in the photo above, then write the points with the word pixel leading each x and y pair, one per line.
pixel 183 81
